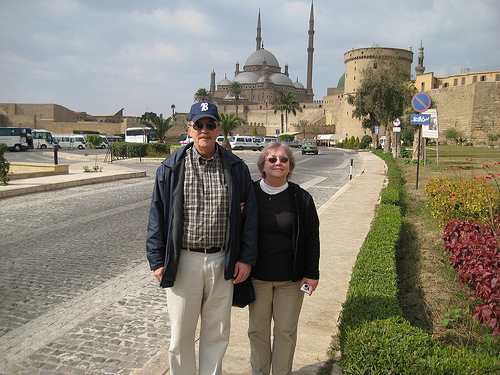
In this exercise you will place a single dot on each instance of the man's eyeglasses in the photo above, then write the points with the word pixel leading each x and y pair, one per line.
pixel 210 125
pixel 273 159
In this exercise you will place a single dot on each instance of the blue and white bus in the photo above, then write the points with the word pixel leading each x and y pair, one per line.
pixel 17 139
pixel 140 135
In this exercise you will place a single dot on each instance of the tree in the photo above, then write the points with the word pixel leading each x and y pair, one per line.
pixel 94 140
pixel 202 94
pixel 384 94
pixel 229 123
pixel 303 124
pixel 159 125
pixel 316 131
pixel 4 165
pixel 286 103
pixel 453 134
pixel 236 91
pixel 146 115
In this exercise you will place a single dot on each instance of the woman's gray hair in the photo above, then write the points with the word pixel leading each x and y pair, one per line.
pixel 269 149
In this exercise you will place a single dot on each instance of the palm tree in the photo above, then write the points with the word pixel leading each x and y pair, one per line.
pixel 281 108
pixel 229 123
pixel 286 103
pixel 303 124
pixel 202 94
pixel 159 125
pixel 236 91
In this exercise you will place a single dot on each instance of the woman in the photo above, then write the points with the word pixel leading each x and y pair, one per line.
pixel 288 258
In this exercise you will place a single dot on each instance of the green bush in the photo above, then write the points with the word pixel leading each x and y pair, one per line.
pixel 461 199
pixel 128 150
pixel 373 290
pixel 136 150
pixel 389 346
pixel 4 165
pixel 158 149
pixel 365 141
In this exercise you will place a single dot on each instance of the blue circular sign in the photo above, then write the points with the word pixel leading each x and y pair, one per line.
pixel 421 102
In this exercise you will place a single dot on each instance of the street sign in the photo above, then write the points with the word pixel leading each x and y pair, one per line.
pixel 396 129
pixel 397 122
pixel 421 101
pixel 420 119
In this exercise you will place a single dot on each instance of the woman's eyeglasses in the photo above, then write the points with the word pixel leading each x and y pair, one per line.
pixel 210 126
pixel 273 159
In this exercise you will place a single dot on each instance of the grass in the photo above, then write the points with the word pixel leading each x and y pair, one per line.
pixel 429 289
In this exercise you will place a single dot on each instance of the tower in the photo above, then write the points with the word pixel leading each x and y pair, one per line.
pixel 310 51
pixel 259 37
pixel 420 68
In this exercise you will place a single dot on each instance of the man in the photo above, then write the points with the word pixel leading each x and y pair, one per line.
pixel 199 240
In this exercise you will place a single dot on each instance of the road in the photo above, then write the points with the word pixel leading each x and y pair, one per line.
pixel 77 293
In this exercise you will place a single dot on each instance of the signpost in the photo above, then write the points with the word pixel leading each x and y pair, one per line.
pixel 420 102
pixel 396 129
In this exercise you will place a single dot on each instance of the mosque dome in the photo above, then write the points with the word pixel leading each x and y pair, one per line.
pixel 247 77
pixel 224 82
pixel 298 85
pixel 261 55
pixel 341 82
pixel 280 79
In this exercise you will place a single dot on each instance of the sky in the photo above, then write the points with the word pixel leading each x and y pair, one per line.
pixel 99 56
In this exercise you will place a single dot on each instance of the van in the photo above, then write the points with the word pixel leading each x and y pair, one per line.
pixel 245 143
pixel 71 141
pixel 270 139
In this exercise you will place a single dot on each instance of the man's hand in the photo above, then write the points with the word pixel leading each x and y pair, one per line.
pixel 159 273
pixel 241 272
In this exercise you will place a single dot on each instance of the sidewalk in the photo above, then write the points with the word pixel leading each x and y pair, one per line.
pixel 75 177
pixel 344 223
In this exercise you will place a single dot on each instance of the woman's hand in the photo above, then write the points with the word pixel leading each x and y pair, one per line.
pixel 313 284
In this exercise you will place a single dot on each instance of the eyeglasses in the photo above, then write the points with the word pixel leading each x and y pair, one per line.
pixel 273 159
pixel 199 126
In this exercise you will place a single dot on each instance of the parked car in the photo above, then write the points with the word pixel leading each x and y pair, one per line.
pixel 245 143
pixel 309 147
pixel 295 144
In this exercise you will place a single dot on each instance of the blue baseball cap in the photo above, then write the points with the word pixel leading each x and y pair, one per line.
pixel 203 109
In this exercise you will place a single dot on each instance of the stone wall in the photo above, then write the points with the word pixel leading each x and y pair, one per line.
pixel 474 110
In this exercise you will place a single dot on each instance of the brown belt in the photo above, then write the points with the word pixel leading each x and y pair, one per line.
pixel 206 250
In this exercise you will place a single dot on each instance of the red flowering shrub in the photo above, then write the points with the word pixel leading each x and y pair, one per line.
pixel 475 255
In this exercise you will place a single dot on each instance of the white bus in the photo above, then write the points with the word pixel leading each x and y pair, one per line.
pixel 16 139
pixel 140 135
pixel 42 138
pixel 71 140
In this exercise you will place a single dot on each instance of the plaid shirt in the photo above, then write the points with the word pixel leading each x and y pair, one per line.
pixel 206 202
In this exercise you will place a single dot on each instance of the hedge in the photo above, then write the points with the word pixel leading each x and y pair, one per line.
pixel 374 337
pixel 122 150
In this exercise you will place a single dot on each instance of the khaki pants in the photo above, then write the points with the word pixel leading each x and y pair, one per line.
pixel 200 289
pixel 280 302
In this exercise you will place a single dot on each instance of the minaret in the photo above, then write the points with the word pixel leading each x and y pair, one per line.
pixel 212 84
pixel 420 68
pixel 310 51
pixel 259 38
